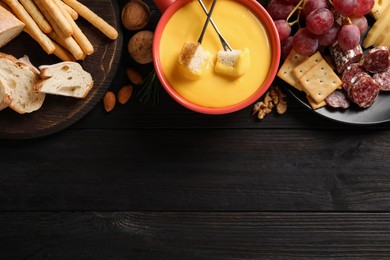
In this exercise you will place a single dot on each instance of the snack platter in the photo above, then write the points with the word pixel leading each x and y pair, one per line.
pixel 59 112
pixel 378 112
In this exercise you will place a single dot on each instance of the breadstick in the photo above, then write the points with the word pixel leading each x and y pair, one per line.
pixel 93 18
pixel 70 10
pixel 63 54
pixel 57 35
pixel 69 44
pixel 33 29
pixel 32 9
pixel 58 17
pixel 49 18
pixel 78 35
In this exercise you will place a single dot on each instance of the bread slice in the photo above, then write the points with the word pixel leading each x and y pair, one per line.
pixel 5 95
pixel 26 60
pixel 193 60
pixel 66 78
pixel 10 26
pixel 20 79
pixel 233 63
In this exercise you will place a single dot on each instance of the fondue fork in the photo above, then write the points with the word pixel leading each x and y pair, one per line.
pixel 224 43
pixel 207 21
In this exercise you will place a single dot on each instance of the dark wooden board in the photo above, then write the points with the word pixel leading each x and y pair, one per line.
pixel 58 112
pixel 194 235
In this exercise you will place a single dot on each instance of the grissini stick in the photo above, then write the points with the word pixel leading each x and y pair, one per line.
pixel 70 10
pixel 38 17
pixel 63 54
pixel 49 18
pixel 34 30
pixel 58 17
pixel 93 18
pixel 78 35
pixel 59 51
pixel 67 42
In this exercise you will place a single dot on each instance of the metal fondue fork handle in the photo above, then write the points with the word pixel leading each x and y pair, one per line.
pixel 224 43
pixel 207 21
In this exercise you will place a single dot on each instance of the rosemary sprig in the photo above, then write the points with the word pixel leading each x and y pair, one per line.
pixel 149 92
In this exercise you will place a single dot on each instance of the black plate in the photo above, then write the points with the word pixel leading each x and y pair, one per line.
pixel 378 113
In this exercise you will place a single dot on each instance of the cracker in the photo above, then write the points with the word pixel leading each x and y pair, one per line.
pixel 320 81
pixel 314 105
pixel 307 65
pixel 286 70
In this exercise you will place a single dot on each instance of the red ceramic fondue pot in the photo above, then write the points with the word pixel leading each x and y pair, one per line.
pixel 169 7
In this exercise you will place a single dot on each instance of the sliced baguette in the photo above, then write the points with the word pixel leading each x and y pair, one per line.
pixel 10 26
pixel 65 78
pixel 20 79
pixel 5 95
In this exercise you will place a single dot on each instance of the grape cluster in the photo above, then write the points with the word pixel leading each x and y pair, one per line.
pixel 321 23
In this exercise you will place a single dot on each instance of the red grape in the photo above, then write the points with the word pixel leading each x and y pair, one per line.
pixel 312 5
pixel 348 37
pixel 329 37
pixel 279 10
pixel 294 2
pixel 283 28
pixel 360 22
pixel 286 47
pixel 304 42
pixel 319 21
pixel 345 7
pixel 363 7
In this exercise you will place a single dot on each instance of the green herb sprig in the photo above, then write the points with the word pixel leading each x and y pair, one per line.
pixel 150 90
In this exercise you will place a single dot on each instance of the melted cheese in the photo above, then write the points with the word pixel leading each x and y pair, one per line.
pixel 240 27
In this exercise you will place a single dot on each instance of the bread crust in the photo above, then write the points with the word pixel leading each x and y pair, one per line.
pixel 45 76
pixel 6 96
pixel 30 104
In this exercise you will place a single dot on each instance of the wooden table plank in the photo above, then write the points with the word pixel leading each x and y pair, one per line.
pixel 193 235
pixel 195 170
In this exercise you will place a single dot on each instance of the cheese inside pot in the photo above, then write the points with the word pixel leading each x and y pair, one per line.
pixel 241 28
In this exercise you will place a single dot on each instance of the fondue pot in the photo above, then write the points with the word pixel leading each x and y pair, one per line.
pixel 168 9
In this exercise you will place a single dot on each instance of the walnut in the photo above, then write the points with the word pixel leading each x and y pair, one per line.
pixel 140 47
pixel 135 15
pixel 279 99
pixel 273 97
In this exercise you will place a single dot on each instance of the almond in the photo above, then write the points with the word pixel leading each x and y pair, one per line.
pixel 109 101
pixel 134 76
pixel 124 94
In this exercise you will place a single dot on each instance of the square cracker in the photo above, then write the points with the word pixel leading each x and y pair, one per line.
pixel 315 105
pixel 286 70
pixel 320 81
pixel 307 65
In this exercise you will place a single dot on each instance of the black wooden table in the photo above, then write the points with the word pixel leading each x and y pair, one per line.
pixel 163 182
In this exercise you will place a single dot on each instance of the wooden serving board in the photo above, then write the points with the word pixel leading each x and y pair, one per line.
pixel 59 112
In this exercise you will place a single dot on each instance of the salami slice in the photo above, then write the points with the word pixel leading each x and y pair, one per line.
pixel 377 59
pixel 351 71
pixel 383 79
pixel 363 90
pixel 343 58
pixel 338 99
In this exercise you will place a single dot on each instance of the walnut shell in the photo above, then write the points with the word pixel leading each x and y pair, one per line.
pixel 140 47
pixel 135 15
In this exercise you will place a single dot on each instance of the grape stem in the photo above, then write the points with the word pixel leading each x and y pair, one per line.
pixel 297 7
